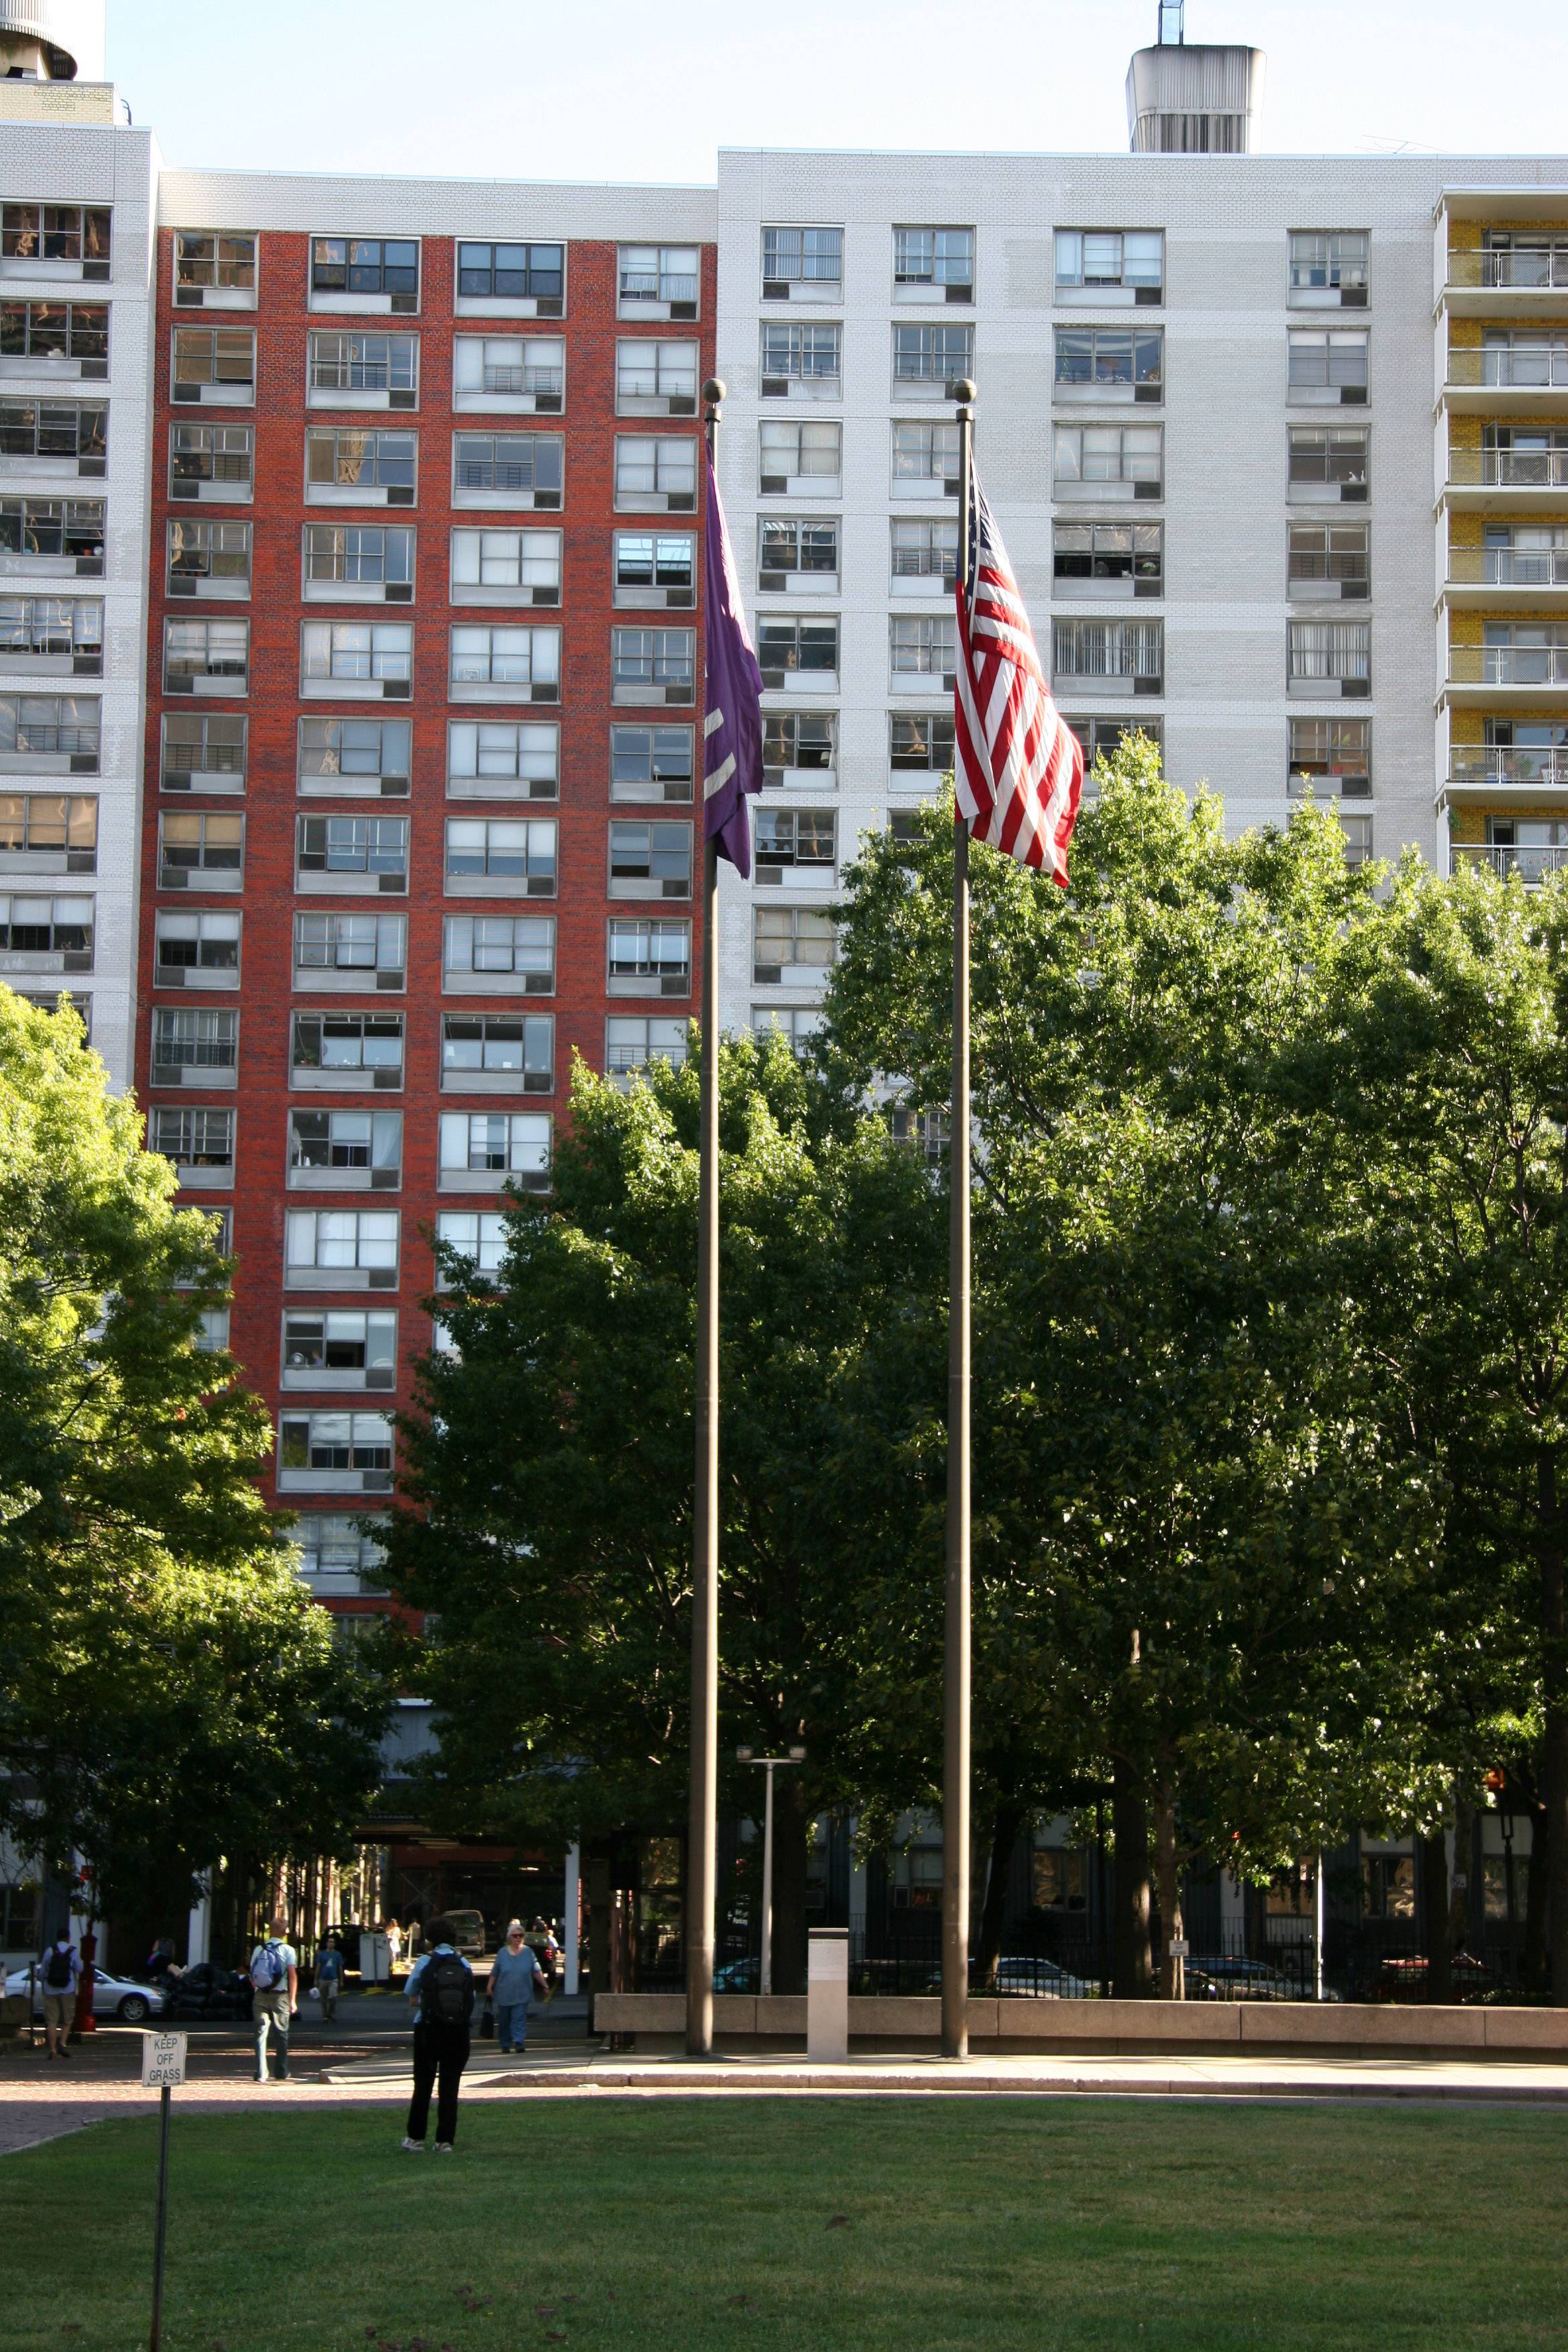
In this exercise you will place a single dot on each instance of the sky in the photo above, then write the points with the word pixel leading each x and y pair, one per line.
pixel 649 89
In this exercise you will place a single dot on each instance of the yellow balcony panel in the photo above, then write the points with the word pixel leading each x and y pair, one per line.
pixel 1515 482
pixel 1503 677
pixel 1522 265
pixel 1525 378
pixel 1506 580
pixel 1530 863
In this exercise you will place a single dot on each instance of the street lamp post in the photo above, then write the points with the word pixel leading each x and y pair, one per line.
pixel 770 1765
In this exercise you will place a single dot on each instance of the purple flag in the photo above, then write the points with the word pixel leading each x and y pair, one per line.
pixel 732 721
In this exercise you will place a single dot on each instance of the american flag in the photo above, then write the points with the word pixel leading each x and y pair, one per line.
pixel 1019 765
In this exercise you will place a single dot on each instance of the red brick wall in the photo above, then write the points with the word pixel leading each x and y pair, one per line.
pixel 276 609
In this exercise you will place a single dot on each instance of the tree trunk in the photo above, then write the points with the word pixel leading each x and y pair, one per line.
pixel 596 1886
pixel 1535 1905
pixel 790 1825
pixel 1463 1885
pixel 1172 1966
pixel 1554 1731
pixel 1132 1977
pixel 1006 1826
pixel 1435 1883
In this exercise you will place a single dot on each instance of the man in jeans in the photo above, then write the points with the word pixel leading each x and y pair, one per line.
pixel 275 1995
pixel 441 1995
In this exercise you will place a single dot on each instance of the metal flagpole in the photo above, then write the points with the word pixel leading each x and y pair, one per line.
pixel 956 1661
pixel 702 1840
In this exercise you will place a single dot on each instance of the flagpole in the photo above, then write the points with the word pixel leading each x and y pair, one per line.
pixel 701 1839
pixel 955 1867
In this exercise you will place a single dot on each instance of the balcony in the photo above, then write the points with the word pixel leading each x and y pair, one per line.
pixel 1530 865
pixel 1480 676
pixel 1532 378
pixel 1481 772
pixel 1504 576
pixel 1499 481
pixel 1521 280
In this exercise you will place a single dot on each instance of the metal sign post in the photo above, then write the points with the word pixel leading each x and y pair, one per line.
pixel 162 2064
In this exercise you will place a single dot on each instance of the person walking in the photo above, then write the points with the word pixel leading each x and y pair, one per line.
pixel 441 1996
pixel 57 1972
pixel 275 1995
pixel 511 1985
pixel 329 1977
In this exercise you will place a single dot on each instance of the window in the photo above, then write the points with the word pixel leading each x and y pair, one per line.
pixel 811 258
pixel 215 359
pixel 363 650
pixel 531 368
pixel 222 455
pixel 52 726
pixel 660 372
pixel 513 273
pixel 53 331
pixel 508 465
pixel 205 842
pixel 55 233
pixel 1101 739
pixel 656 469
pixel 193 1040
pixel 38 629
pixel 51 927
pixel 353 844
pixel 1515 457
pixel 792 453
pixel 1329 360
pixel 38 531
pixel 927 1132
pixel 77 430
pixel 1090 257
pixel 207 945
pixel 526 659
pixel 194 1139
pixel 527 563
pixel 925 551
pixel 652 665
pixel 503 759
pixel 353 364
pixel 351 1449
pixel 332 1547
pixel 1524 652
pixel 353 754
pixel 794 938
pixel 649 954
pixel 792 354
pixel 655 568
pixel 791 837
pixel 1134 650
pixel 924 646
pixel 1091 358
pixel 499 1045
pixel 347 458
pixel 1523 258
pixel 1099 453
pixel 797 1025
pixel 350 943
pixel 807 549
pixel 215 652
pixel 213 257
pixel 348 1041
pixel 1516 751
pixel 366 265
pixel 1330 650
pixel 660 280
pixel 800 738
pixel 358 1344
pixel 1328 261
pixel 631 1043
pixel 517 850
pixel 1328 461
pixel 356 554
pixel 1528 359
pixel 926 452
pixel 1516 555
pixel 934 355
pixel 478 1235
pixel 649 859
pixel 1357 830
pixel 495 1143
pixel 796 649
pixel 920 743
pixel 1332 557
pixel 651 763
pixel 346 1142
pixel 512 945
pixel 56 825
pixel 935 257
pixel 1335 753
pixel 1109 550
pixel 207 555
pixel 212 1331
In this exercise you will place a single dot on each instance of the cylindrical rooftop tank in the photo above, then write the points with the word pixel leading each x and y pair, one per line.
pixel 62 39
pixel 1194 98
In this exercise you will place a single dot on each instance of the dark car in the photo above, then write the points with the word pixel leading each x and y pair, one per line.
pixel 207 1990
pixel 1405 1978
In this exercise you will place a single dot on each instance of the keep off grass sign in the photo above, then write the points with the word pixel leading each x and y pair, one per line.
pixel 163 2061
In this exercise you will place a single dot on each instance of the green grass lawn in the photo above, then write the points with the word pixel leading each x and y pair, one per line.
pixel 844 2225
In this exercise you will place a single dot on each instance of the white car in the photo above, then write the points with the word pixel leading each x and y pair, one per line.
pixel 120 1997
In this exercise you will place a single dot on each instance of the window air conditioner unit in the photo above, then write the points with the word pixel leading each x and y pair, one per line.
pixel 960 293
pixel 683 310
pixel 400 592
pixel 93 469
pixel 539 983
pixel 400 400
pixel 184 490
pixel 547 403
pixel 680 403
pixel 1148 393
pixel 1148 298
pixel 394 788
pixel 550 306
pixel 1148 489
pixel 549 500
pixel 400 494
pixel 776 484
pixel 176 779
pixel 385 1180
pixel 405 305
pixel 189 297
pixel 767 975
pixel 775 387
pixel 679 987
pixel 775 290
pixel 547 596
pixel 394 885
pixel 1352 395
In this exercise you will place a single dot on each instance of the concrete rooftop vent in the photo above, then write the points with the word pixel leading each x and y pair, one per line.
pixel 52 40
pixel 1193 97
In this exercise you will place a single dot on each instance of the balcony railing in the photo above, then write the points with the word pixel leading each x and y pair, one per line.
pixel 1508 567
pixel 1527 367
pixel 1508 469
pixel 1526 266
pixel 1498 764
pixel 1508 665
pixel 1532 864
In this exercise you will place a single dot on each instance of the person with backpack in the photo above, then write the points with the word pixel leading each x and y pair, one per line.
pixel 275 1996
pixel 57 1973
pixel 441 1995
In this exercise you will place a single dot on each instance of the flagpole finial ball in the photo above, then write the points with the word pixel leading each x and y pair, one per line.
pixel 713 391
pixel 964 391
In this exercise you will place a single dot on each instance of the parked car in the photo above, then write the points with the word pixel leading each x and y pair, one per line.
pixel 121 1998
pixel 738 1976
pixel 1403 1977
pixel 1228 1978
pixel 1026 1977
pixel 207 1990
pixel 469 1931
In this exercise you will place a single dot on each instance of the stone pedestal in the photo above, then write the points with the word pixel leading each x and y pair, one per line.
pixel 827 1996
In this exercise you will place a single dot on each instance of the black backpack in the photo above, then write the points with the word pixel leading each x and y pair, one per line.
pixel 57 1969
pixel 446 1991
